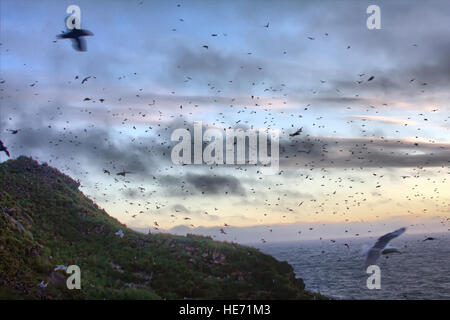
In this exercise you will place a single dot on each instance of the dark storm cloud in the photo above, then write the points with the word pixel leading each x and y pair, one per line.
pixel 98 147
pixel 213 184
pixel 131 193
pixel 207 184
pixel 388 54
pixel 339 100
pixel 362 152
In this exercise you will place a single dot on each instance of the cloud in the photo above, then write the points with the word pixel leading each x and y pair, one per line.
pixel 202 184
pixel 384 119
pixel 96 148
pixel 362 152
pixel 180 208
pixel 214 184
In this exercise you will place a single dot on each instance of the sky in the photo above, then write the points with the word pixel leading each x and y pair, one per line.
pixel 372 154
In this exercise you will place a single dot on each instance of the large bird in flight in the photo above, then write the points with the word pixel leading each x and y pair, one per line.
pixel 76 35
pixel 382 242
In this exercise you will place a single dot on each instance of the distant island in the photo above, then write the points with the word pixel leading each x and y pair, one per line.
pixel 46 222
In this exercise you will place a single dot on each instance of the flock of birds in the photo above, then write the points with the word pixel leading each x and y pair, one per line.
pixel 299 140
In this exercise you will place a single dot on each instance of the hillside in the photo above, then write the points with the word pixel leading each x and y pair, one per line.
pixel 46 221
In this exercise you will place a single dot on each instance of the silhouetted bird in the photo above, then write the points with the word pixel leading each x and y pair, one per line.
pixel 85 79
pixel 3 148
pixel 296 133
pixel 76 35
pixel 123 173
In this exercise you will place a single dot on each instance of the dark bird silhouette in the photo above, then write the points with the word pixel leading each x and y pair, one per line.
pixel 3 148
pixel 13 131
pixel 122 173
pixel 85 79
pixel 76 35
pixel 429 238
pixel 371 78
pixel 296 133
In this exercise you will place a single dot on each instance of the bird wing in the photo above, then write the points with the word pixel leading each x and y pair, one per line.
pixel 384 240
pixel 63 36
pixel 375 251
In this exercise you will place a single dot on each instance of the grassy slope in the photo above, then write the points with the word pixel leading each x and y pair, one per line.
pixel 45 220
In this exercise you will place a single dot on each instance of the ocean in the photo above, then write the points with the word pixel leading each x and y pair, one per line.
pixel 421 271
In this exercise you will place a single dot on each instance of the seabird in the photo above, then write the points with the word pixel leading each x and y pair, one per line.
pixel 76 35
pixel 380 246
pixel 296 133
pixel 123 173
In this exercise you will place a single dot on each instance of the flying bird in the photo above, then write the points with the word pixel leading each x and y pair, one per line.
pixel 380 245
pixel 296 133
pixel 76 35
pixel 85 79
pixel 122 173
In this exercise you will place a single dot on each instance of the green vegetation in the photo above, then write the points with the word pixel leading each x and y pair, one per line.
pixel 46 221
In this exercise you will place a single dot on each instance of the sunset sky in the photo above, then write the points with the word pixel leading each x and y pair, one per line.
pixel 379 150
